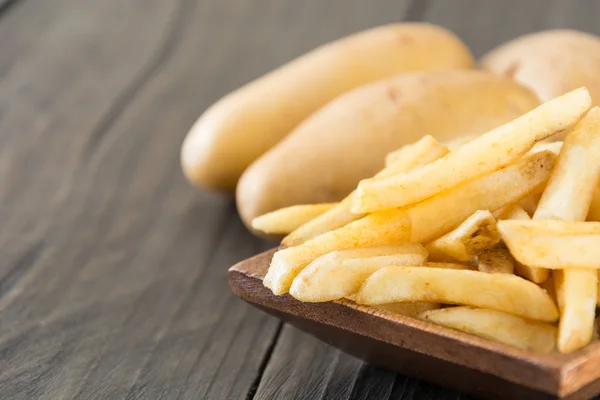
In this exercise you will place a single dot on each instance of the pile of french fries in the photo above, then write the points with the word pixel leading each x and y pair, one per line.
pixel 492 235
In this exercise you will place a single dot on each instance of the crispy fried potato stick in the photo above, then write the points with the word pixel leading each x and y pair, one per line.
pixel 568 197
pixel 473 235
pixel 431 218
pixel 482 155
pixel 449 265
pixel 408 157
pixel 375 229
pixel 340 274
pixel 496 260
pixel 285 220
pixel 460 141
pixel 496 325
pixel 514 211
pixel 438 215
pixel 500 292
pixel 553 244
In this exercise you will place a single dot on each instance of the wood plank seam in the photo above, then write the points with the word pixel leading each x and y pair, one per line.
pixel 164 51
pixel 264 363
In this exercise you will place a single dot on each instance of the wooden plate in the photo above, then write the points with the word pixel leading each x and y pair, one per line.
pixel 422 350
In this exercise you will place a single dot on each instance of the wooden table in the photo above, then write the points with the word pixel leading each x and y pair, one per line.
pixel 112 268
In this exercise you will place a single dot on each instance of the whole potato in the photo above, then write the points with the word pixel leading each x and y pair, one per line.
pixel 240 127
pixel 551 63
pixel 347 140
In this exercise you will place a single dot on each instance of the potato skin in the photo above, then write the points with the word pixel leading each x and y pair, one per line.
pixel 347 140
pixel 240 127
pixel 551 63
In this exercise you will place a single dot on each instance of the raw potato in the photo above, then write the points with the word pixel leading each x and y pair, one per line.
pixel 551 62
pixel 241 126
pixel 495 325
pixel 347 140
pixel 500 292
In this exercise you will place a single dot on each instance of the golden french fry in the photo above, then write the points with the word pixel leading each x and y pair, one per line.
pixel 458 142
pixel 549 287
pixel 430 218
pixel 568 197
pixel 438 215
pixel 285 220
pixel 496 260
pixel 388 227
pixel 530 202
pixel 341 273
pixel 482 155
pixel 577 295
pixel 573 181
pixel 538 275
pixel 553 244
pixel 496 325
pixel 448 265
pixel 476 233
pixel 514 211
pixel 408 309
pixel 554 147
pixel 501 292
pixel 594 211
pixel 408 157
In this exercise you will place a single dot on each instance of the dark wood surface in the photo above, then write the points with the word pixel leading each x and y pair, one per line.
pixel 113 280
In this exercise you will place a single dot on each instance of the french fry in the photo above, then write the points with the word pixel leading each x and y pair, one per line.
pixel 438 215
pixel 482 155
pixel 496 325
pixel 500 292
pixel 594 211
pixel 476 233
pixel 448 265
pixel 530 202
pixel 553 244
pixel 577 296
pixel 408 157
pixel 340 274
pixel 514 211
pixel 285 220
pixel 568 197
pixel 460 141
pixel 420 223
pixel 554 147
pixel 388 227
pixel 496 260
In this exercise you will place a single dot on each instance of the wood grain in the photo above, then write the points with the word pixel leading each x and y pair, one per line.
pixel 112 269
